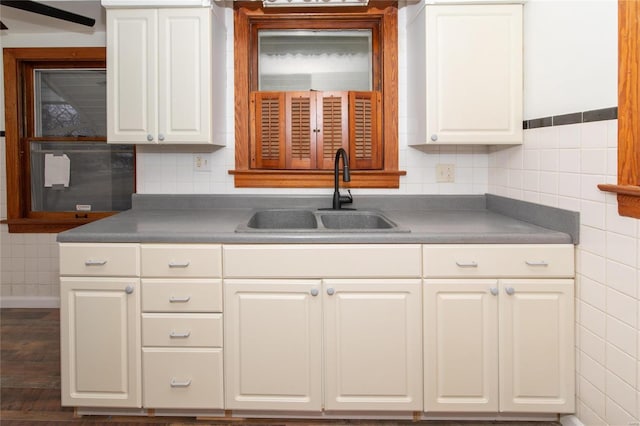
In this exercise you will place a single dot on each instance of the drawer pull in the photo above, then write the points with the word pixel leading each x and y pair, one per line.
pixel 178 384
pixel 174 299
pixel 179 335
pixel 471 264
pixel 536 263
pixel 95 262
pixel 179 265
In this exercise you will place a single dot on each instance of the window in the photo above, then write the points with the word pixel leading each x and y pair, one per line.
pixel 628 187
pixel 309 83
pixel 60 171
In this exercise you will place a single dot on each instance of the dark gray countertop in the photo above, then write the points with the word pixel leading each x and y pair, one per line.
pixel 481 219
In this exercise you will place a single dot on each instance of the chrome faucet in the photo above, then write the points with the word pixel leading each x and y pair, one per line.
pixel 338 199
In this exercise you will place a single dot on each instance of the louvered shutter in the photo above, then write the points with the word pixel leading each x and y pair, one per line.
pixel 301 130
pixel 334 129
pixel 365 137
pixel 268 136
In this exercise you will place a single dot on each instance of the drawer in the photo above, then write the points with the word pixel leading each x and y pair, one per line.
pixel 88 259
pixel 182 378
pixel 182 330
pixel 496 261
pixel 181 260
pixel 188 295
pixel 322 260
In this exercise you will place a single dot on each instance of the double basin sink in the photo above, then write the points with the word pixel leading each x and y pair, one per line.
pixel 298 220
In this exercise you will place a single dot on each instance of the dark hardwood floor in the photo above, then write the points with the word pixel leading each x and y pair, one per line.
pixel 30 382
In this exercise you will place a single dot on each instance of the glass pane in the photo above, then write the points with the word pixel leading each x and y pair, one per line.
pixel 315 60
pixel 86 176
pixel 70 102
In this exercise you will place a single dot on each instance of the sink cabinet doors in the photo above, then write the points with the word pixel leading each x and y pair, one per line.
pixel 361 338
pixel 499 345
pixel 273 345
pixel 372 338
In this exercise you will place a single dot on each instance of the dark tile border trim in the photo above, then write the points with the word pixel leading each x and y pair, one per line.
pixel 573 118
pixel 1 133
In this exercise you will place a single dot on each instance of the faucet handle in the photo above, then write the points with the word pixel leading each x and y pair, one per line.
pixel 346 199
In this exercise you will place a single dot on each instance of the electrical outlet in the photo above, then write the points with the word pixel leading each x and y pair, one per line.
pixel 445 173
pixel 201 163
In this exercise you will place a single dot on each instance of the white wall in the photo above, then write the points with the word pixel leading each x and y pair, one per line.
pixel 570 48
pixel 176 165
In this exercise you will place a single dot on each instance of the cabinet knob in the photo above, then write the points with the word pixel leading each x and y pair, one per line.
pixel 128 289
pixel 150 138
pixel 494 291
pixel 331 291
pixel 314 292
pixel 434 137
pixel 509 290
pixel 160 137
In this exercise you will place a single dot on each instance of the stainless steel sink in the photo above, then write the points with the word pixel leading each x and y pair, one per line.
pixel 314 221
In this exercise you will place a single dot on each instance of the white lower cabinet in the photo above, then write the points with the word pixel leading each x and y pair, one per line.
pixel 182 355
pixel 358 339
pixel 182 377
pixel 100 341
pixel 273 344
pixel 372 338
pixel 499 345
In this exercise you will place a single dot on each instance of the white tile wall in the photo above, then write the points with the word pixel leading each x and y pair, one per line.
pixel 28 262
pixel 169 170
pixel 561 167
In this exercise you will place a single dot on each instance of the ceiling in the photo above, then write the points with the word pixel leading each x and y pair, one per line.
pixel 20 21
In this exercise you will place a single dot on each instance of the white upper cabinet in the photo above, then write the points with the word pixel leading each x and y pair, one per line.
pixel 160 76
pixel 465 75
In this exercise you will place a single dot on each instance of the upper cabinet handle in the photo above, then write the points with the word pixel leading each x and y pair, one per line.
pixel 95 262
pixel 179 265
pixel 160 137
pixel 471 264
pixel 536 263
pixel 150 138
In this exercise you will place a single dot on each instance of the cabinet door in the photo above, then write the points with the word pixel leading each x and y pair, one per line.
pixel 537 346
pixel 461 345
pixel 100 342
pixel 373 345
pixel 132 75
pixel 184 72
pixel 273 344
pixel 474 74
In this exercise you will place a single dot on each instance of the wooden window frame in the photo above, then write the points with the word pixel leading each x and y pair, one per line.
pixel 246 16
pixel 17 61
pixel 628 187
